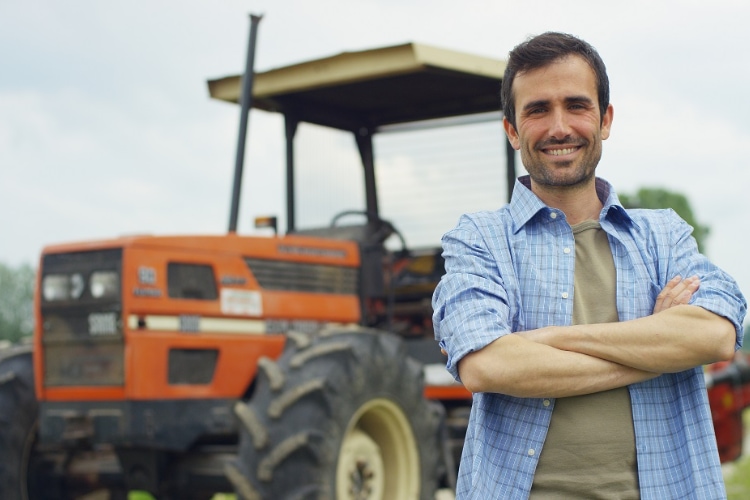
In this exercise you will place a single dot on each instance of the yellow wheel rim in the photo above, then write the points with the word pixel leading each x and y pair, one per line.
pixel 379 458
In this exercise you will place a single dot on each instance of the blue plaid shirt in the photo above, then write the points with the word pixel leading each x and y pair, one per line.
pixel 509 271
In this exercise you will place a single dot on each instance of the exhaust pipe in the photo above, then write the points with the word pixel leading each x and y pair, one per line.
pixel 246 102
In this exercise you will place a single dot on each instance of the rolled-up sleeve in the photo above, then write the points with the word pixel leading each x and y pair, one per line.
pixel 718 292
pixel 471 302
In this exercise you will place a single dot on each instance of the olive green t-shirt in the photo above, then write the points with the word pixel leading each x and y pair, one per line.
pixel 589 451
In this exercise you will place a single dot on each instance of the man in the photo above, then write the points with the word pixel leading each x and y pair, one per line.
pixel 580 327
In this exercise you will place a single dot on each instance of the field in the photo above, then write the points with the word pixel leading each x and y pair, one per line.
pixel 737 474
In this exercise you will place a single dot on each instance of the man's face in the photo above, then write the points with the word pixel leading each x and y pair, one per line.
pixel 559 130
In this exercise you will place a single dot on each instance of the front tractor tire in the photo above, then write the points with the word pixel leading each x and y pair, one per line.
pixel 21 476
pixel 338 416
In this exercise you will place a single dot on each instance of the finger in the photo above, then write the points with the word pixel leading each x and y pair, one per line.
pixel 669 287
pixel 691 286
pixel 676 293
pixel 682 292
pixel 682 298
pixel 674 287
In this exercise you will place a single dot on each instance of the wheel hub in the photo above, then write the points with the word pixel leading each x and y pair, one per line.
pixel 364 464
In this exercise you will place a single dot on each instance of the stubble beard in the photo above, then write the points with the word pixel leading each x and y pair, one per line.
pixel 562 174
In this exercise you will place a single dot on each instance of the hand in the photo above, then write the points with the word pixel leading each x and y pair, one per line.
pixel 677 292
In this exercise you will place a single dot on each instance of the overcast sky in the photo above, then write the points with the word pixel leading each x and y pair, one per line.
pixel 106 127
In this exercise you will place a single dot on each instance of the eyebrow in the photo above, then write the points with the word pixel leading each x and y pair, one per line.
pixel 576 99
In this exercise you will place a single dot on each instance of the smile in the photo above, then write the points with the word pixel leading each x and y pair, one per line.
pixel 561 152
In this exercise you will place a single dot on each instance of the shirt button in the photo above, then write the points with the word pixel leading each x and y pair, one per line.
pixel 566 250
pixel 531 452
pixel 546 402
pixel 565 295
pixel 553 215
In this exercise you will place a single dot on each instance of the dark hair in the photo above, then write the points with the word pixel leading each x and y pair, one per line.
pixel 541 50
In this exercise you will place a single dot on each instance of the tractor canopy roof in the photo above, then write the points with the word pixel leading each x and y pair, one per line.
pixel 376 87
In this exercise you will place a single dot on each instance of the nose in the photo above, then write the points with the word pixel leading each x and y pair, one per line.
pixel 559 126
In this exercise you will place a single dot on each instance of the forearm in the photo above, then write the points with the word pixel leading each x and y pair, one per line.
pixel 519 367
pixel 672 340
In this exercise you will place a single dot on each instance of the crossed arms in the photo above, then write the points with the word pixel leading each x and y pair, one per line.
pixel 583 359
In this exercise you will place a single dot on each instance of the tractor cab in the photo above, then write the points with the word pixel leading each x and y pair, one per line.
pixel 373 93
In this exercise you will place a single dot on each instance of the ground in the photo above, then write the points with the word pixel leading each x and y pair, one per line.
pixel 736 476
pixel 737 473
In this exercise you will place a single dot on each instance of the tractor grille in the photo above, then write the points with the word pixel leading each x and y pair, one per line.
pixel 304 277
pixel 82 332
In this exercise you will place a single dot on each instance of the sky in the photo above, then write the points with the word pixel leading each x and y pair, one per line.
pixel 107 129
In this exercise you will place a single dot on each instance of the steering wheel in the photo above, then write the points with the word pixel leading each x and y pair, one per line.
pixel 382 228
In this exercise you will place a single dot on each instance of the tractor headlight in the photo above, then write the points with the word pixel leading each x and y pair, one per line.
pixel 63 286
pixel 104 284
pixel 56 287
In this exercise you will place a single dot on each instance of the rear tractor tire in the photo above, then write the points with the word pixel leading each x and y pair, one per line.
pixel 339 416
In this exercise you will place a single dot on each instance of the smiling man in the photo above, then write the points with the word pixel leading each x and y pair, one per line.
pixel 559 128
pixel 579 326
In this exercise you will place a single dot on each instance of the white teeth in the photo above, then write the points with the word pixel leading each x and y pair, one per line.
pixel 560 152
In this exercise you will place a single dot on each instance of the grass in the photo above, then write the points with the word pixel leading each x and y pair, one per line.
pixel 737 480
pixel 142 495
pixel 738 483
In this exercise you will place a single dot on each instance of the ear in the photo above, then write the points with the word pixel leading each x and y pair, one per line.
pixel 512 134
pixel 607 122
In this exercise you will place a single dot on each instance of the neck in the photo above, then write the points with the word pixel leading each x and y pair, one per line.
pixel 578 203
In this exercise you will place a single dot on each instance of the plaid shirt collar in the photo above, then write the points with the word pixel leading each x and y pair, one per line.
pixel 525 205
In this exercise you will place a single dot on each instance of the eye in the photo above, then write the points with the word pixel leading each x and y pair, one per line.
pixel 580 105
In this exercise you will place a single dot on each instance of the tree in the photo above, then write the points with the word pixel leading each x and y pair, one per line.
pixel 661 198
pixel 16 302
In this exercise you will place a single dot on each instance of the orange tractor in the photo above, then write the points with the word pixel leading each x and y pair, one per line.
pixel 290 366
pixel 277 367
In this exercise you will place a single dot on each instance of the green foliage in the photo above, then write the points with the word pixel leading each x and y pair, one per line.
pixel 661 198
pixel 16 302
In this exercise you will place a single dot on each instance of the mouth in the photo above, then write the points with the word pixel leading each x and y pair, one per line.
pixel 561 148
pixel 561 151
